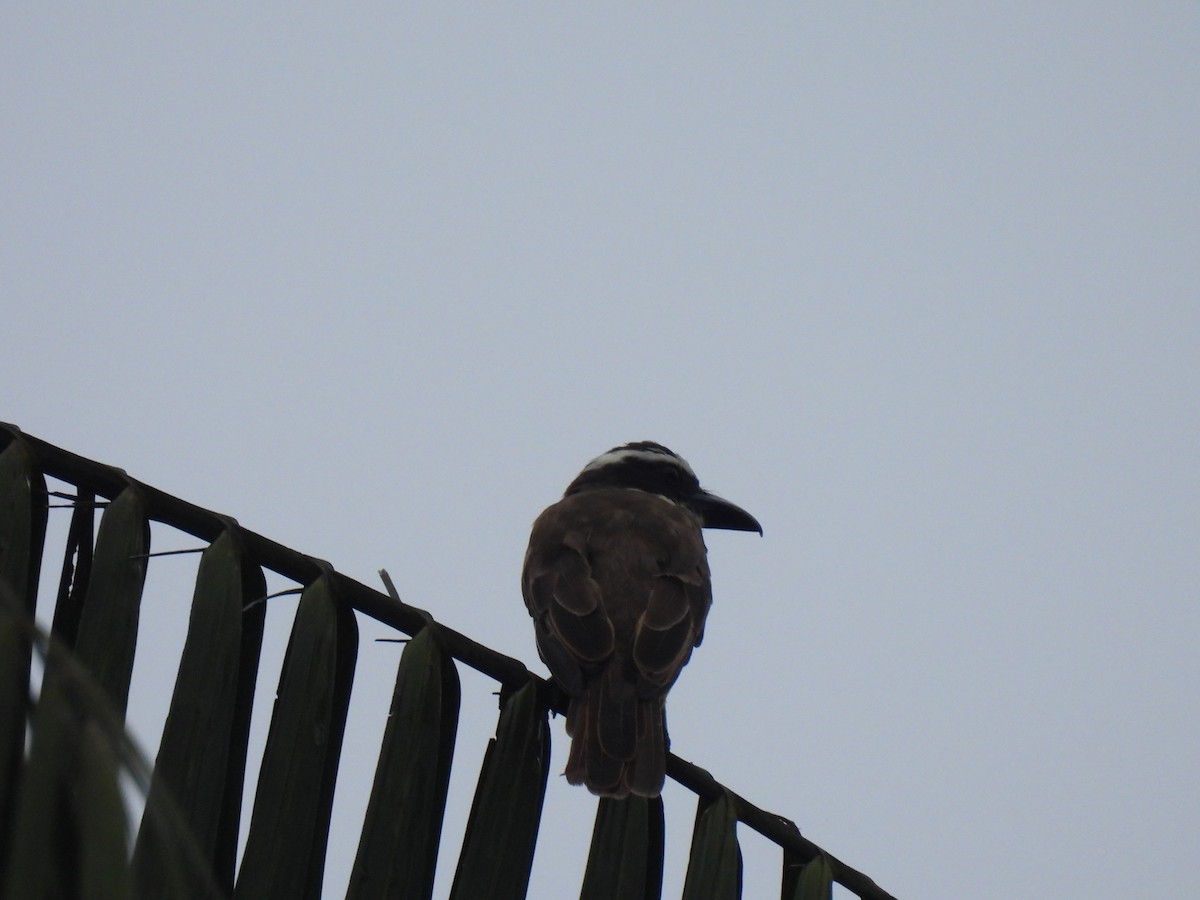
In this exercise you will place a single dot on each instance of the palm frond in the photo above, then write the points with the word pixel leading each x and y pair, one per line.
pixel 65 827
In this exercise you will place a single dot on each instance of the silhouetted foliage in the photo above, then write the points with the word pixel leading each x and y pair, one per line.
pixel 65 830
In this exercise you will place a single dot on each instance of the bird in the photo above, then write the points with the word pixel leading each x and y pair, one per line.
pixel 616 579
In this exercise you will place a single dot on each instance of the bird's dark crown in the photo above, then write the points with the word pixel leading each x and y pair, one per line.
pixel 647 466
pixel 641 465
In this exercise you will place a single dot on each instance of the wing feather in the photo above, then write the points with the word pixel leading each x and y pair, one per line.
pixel 618 586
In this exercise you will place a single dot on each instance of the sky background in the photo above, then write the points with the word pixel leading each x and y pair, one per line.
pixel 916 285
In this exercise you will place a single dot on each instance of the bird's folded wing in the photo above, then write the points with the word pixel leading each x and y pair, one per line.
pixel 668 630
pixel 573 629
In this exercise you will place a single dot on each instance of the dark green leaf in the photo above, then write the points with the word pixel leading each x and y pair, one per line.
pixel 815 881
pixel 22 534
pixel 397 853
pixel 69 814
pixel 200 761
pixel 22 522
pixel 502 830
pixel 285 850
pixel 626 859
pixel 76 567
pixel 715 865
pixel 103 824
pixel 109 623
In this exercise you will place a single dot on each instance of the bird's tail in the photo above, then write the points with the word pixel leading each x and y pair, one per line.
pixel 618 739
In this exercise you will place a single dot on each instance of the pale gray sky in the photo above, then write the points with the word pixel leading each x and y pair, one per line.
pixel 913 284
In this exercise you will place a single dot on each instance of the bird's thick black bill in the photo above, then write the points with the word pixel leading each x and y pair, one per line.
pixel 717 512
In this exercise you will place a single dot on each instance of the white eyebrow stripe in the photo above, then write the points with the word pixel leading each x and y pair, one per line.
pixel 620 453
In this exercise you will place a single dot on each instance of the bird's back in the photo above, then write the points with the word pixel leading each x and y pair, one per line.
pixel 618 585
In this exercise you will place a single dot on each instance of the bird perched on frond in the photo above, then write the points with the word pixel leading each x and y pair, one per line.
pixel 616 579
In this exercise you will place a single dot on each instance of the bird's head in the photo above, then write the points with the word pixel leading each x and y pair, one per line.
pixel 647 466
